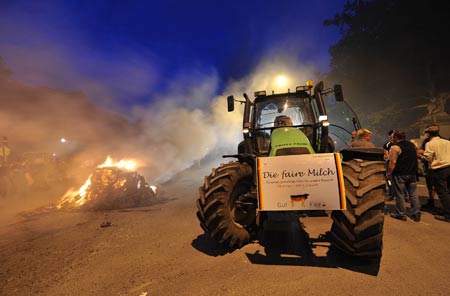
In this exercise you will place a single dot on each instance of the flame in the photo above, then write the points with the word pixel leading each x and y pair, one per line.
pixel 122 164
pixel 78 197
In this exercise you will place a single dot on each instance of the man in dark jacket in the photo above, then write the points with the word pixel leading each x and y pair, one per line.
pixel 403 169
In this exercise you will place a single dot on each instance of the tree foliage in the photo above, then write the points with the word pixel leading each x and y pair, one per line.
pixel 392 53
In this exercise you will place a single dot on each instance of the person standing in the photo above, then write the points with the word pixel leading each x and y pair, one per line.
pixel 403 169
pixel 388 144
pixel 437 153
pixel 386 148
pixel 427 172
pixel 363 139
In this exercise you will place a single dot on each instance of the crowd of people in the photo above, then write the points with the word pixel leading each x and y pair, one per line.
pixel 402 170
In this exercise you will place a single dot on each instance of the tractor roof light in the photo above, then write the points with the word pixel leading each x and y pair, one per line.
pixel 260 93
pixel 308 86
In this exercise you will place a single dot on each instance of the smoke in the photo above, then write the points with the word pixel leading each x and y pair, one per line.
pixel 186 126
pixel 186 121
pixel 180 128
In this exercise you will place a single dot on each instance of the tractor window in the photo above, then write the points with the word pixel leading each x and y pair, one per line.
pixel 298 109
pixel 340 116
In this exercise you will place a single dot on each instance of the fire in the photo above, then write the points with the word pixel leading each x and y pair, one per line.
pixel 129 165
pixel 108 176
pixel 77 197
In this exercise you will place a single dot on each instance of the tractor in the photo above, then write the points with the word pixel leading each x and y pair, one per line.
pixel 276 174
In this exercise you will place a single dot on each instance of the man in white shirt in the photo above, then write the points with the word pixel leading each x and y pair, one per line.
pixel 437 153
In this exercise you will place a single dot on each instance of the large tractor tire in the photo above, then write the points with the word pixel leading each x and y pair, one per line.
pixel 358 231
pixel 225 209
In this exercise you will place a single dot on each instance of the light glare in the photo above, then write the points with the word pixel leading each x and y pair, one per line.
pixel 281 80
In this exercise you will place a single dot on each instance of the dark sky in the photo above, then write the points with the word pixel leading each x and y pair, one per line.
pixel 127 53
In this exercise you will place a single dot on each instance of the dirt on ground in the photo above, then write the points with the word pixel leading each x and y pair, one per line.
pixel 161 250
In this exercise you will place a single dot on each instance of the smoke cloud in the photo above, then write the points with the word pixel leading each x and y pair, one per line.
pixel 176 130
pixel 185 128
pixel 187 125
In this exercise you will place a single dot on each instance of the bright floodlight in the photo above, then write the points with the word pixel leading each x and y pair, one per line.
pixel 63 140
pixel 281 80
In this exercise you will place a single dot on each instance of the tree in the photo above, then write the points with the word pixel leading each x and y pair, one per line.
pixel 392 53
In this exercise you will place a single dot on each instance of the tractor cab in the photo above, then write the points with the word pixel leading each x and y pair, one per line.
pixel 283 124
pixel 308 129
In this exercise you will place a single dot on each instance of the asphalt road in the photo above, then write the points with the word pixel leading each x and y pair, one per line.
pixel 161 250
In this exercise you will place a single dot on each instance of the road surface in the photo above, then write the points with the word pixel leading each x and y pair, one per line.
pixel 161 250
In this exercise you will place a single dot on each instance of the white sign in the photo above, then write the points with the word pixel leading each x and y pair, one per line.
pixel 301 182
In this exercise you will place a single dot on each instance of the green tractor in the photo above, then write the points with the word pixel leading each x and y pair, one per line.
pixel 285 136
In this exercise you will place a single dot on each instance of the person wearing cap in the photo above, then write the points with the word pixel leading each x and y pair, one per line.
pixel 363 139
pixel 437 153
pixel 403 170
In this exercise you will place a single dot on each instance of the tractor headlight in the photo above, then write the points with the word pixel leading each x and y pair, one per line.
pixel 323 117
pixel 246 128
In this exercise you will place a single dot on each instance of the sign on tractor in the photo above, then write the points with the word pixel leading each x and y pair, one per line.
pixel 304 182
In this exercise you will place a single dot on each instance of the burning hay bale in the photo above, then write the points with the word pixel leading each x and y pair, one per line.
pixel 110 187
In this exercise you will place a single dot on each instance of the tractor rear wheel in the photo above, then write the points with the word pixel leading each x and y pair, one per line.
pixel 226 209
pixel 358 231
